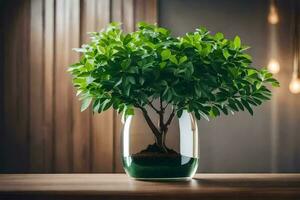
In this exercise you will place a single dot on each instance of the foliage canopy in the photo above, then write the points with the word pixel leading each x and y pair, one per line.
pixel 199 72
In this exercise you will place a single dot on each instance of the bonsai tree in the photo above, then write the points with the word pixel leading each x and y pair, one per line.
pixel 199 72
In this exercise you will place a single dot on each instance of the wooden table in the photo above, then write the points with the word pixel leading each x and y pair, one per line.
pixel 119 186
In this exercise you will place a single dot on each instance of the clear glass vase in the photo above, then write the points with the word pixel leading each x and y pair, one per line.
pixel 171 155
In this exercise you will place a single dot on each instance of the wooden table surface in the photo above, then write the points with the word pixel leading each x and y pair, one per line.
pixel 119 186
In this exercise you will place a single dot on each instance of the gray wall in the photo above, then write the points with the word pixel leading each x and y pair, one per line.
pixel 269 141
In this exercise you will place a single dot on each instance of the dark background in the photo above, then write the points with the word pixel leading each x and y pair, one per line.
pixel 270 140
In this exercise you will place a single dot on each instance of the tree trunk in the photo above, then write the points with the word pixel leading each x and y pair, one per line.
pixel 161 143
pixel 161 131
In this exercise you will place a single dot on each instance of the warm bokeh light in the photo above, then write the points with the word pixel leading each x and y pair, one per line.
pixel 273 66
pixel 273 15
pixel 295 85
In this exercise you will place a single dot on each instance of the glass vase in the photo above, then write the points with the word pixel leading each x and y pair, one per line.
pixel 173 154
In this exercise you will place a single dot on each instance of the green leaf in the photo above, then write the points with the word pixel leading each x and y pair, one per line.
pixel 164 31
pixel 239 104
pixel 129 111
pixel 219 36
pixel 96 105
pixel 232 105
pixel 162 65
pixel 237 42
pixel 197 115
pixel 204 73
pixel 119 82
pixel 275 84
pixel 214 111
pixel 223 109
pixel 182 59
pixel 226 54
pixel 115 24
pixel 247 56
pixel 165 54
pixel 141 80
pixel 198 90
pixel 131 79
pixel 105 105
pixel 173 59
pixel 247 106
pixel 79 50
pixel 179 113
pixel 204 115
pixel 260 96
pixel 85 103
pixel 125 63
pixel 127 39
pixel 127 89
pixel 251 72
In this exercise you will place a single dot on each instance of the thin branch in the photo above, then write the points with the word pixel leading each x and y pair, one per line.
pixel 166 106
pixel 149 121
pixel 161 105
pixel 152 99
pixel 152 106
pixel 161 117
pixel 170 118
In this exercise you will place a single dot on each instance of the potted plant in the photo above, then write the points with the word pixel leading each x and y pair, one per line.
pixel 166 82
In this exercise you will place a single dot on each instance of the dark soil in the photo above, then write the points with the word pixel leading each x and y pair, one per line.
pixel 154 151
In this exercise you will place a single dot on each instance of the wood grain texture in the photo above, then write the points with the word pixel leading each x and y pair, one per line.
pixel 63 108
pixel 23 84
pixel 36 86
pixel 119 186
pixel 2 86
pixel 96 16
pixel 48 84
pixel 81 121
pixel 15 86
pixel 41 126
pixel 146 11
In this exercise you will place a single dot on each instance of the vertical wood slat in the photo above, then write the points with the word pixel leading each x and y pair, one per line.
pixel 81 120
pixel 10 94
pixel 36 86
pixel 4 136
pixel 146 11
pixel 62 106
pixel 48 54
pixel 15 103
pixel 67 37
pixel 102 125
pixel 7 92
pixel 128 16
pixel 39 98
pixel 116 11
pixel 23 65
pixel 2 133
pixel 103 145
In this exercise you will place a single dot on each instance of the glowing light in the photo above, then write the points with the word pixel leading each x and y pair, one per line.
pixel 295 85
pixel 273 66
pixel 273 15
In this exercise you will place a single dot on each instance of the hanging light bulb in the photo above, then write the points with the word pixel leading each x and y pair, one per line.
pixel 295 84
pixel 273 66
pixel 273 15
